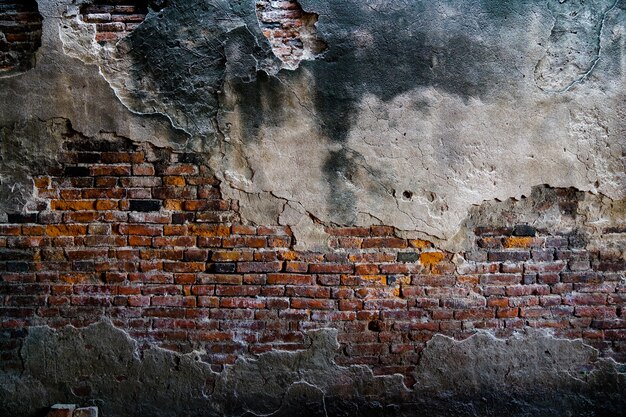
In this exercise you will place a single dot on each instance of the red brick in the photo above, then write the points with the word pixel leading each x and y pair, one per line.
pixel 384 242
pixel 140 229
pixel 237 302
pixel 259 266
pixel 500 279
pixel 143 169
pixel 184 266
pixel 180 241
pixel 349 231
pixel 307 291
pixel 10 230
pixel 294 279
pixel 585 299
pixel 313 304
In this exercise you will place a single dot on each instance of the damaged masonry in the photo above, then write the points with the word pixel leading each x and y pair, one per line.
pixel 317 208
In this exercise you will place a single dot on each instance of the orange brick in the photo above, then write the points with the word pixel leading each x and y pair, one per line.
pixel 74 277
pixel 420 244
pixel 66 230
pixel 73 205
pixel 519 242
pixel 240 229
pixel 106 205
pixel 209 230
pixel 42 182
pixel 174 180
pixel 176 205
pixel 431 258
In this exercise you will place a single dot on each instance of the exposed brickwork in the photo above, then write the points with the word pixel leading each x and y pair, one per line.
pixel 114 19
pixel 20 35
pixel 290 30
pixel 142 236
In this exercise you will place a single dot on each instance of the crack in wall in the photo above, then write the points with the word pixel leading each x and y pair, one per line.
pixel 558 71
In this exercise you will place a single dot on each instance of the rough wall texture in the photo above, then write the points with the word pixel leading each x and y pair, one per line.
pixel 319 208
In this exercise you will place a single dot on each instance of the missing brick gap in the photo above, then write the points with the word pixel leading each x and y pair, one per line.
pixel 290 30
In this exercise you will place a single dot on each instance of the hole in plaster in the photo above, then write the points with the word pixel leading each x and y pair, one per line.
pixel 115 19
pixel 290 30
pixel 20 35
pixel 407 194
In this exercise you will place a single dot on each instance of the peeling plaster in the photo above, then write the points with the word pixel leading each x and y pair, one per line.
pixel 530 373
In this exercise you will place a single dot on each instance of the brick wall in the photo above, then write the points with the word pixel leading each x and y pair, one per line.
pixel 20 35
pixel 142 236
pixel 114 19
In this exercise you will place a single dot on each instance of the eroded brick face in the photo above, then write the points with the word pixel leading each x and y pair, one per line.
pixel 20 35
pixel 143 236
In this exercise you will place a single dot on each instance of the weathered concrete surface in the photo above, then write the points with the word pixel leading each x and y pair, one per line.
pixel 532 374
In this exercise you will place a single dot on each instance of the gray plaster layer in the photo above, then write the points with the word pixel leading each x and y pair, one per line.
pixel 531 373
pixel 437 101
pixel 27 147
pixel 415 112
